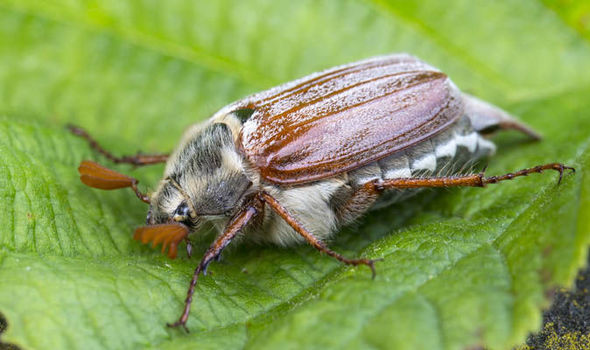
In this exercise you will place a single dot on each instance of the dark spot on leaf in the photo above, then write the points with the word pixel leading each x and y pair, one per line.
pixel 547 251
pixel 3 327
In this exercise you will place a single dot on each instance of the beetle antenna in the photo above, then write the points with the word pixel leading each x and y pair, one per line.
pixel 95 175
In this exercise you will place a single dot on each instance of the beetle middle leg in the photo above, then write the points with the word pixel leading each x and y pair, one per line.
pixel 310 238
pixel 138 159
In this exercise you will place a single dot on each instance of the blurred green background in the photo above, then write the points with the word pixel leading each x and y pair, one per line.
pixel 462 268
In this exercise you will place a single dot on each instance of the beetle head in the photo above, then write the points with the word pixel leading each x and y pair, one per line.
pixel 204 179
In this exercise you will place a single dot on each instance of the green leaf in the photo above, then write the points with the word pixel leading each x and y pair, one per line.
pixel 461 268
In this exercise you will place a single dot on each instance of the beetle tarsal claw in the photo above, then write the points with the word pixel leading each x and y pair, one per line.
pixel 559 167
pixel 373 267
pixel 189 247
pixel 364 261
pixel 205 266
pixel 562 169
pixel 178 323
pixel 371 264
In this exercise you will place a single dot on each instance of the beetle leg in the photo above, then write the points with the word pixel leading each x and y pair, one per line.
pixel 233 228
pixel 475 180
pixel 310 238
pixel 189 247
pixel 137 159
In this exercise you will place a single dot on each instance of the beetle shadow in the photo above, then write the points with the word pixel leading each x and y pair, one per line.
pixel 383 222
pixel 371 227
pixel 435 203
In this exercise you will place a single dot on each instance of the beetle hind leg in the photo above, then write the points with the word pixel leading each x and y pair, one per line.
pixel 311 239
pixel 472 180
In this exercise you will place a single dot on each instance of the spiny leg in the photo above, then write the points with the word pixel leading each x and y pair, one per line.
pixel 233 228
pixel 524 172
pixel 476 180
pixel 310 238
pixel 137 160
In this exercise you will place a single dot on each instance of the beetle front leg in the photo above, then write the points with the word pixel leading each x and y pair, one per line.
pixel 137 159
pixel 310 238
pixel 238 223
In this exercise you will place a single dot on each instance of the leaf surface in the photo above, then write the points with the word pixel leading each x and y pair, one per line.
pixel 461 268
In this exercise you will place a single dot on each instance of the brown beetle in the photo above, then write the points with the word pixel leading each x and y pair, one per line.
pixel 294 163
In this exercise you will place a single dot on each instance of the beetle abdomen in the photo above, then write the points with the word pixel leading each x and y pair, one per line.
pixel 441 155
pixel 451 152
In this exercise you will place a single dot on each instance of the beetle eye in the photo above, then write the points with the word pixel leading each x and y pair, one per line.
pixel 181 213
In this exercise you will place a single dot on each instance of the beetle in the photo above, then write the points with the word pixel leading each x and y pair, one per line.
pixel 294 163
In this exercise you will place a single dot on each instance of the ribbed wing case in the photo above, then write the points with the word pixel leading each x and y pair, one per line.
pixel 346 117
